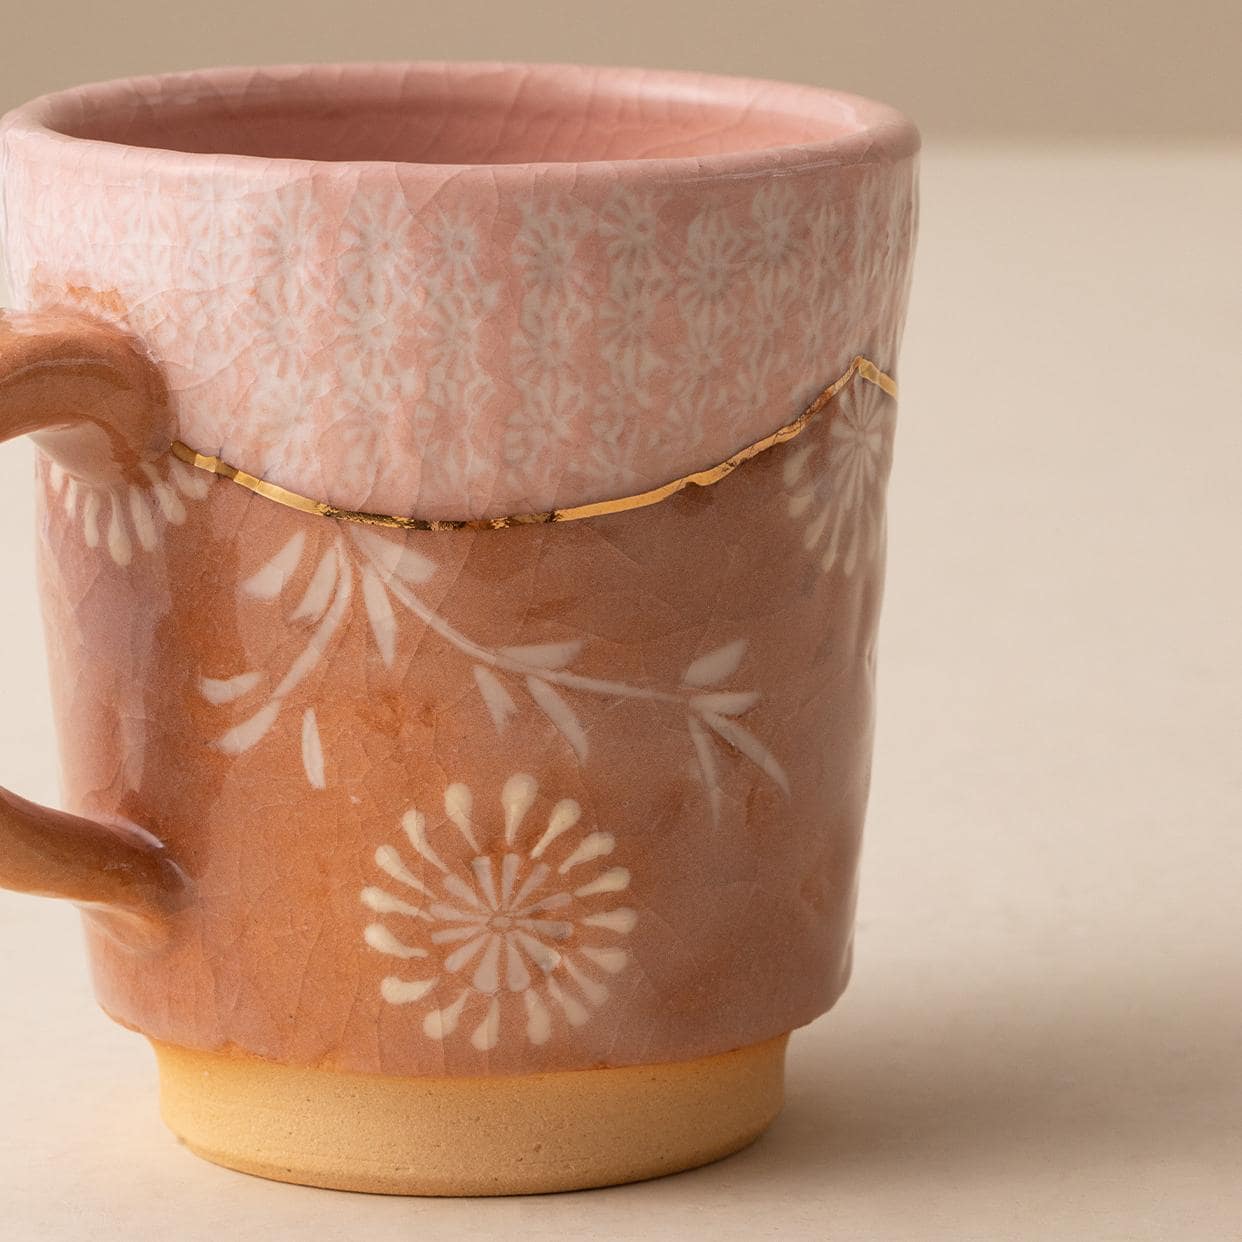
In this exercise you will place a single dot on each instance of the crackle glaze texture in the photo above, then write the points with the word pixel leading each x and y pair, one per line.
pixel 459 337
pixel 487 802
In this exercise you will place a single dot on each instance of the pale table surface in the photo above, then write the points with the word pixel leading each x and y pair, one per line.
pixel 1043 1038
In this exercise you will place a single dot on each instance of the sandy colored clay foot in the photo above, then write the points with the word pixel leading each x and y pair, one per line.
pixel 468 1136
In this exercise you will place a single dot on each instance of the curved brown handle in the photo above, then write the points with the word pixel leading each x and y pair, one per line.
pixel 99 407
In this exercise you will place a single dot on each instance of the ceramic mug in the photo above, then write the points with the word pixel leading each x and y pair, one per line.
pixel 461 544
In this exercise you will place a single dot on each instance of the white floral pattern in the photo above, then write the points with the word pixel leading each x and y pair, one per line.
pixel 128 519
pixel 554 310
pixel 460 301
pixel 625 416
pixel 836 484
pixel 466 352
pixel 506 925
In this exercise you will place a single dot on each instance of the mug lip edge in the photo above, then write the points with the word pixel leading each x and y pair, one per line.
pixel 880 135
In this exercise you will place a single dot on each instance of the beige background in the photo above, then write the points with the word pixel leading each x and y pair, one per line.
pixel 1042 1040
pixel 1036 68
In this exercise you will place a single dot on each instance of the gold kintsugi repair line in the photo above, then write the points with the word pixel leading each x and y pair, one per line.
pixel 864 368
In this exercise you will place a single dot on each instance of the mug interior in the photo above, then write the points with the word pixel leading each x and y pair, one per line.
pixel 459 114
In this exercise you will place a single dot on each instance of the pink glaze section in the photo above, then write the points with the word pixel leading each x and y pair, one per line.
pixel 469 290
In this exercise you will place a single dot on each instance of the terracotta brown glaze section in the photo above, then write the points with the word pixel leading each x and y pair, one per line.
pixel 740 878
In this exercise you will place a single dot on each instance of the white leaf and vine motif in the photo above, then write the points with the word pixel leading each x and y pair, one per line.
pixel 387 573
pixel 515 908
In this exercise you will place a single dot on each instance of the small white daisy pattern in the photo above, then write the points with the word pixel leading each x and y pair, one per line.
pixel 469 354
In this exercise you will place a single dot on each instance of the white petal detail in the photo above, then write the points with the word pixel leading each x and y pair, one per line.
pixel 544 655
pixel 612 960
pixel 119 546
pixel 715 666
pixel 90 519
pixel 596 845
pixel 415 825
pixel 319 589
pixel 517 797
pixel 560 714
pixel 268 582
pixel 405 991
pixel 388 860
pixel 383 902
pixel 383 941
pixel 615 880
pixel 575 1012
pixel 621 920
pixel 751 747
pixel 165 497
pixel 726 703
pixel 312 750
pixel 592 989
pixel 517 976
pixel 460 958
pixel 708 768
pixel 440 1023
pixel 533 881
pixel 487 1034
pixel 226 689
pixel 193 483
pixel 394 557
pixel 379 612
pixel 144 521
pixel 498 701
pixel 538 1020
pixel 458 803
pixel 544 956
pixel 565 814
pixel 485 881
pixel 242 737
pixel 487 973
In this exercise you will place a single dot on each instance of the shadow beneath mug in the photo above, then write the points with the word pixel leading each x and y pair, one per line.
pixel 1126 1072
pixel 1108 1079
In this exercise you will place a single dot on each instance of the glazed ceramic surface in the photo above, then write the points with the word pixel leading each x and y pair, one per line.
pixel 483 802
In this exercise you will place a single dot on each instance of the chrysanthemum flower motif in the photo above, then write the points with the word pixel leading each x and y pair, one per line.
pixel 377 251
pixel 629 225
pixel 708 291
pixel 287 237
pixel 776 244
pixel 455 238
pixel 506 931
pixel 546 245
pixel 129 517
pixel 836 482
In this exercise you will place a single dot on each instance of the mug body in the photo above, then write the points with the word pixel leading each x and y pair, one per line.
pixel 529 839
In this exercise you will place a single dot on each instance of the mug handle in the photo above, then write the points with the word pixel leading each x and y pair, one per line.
pixel 99 407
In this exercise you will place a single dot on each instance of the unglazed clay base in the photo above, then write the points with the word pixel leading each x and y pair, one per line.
pixel 468 1136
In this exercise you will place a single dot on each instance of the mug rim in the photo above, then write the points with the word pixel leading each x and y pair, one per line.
pixel 858 130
